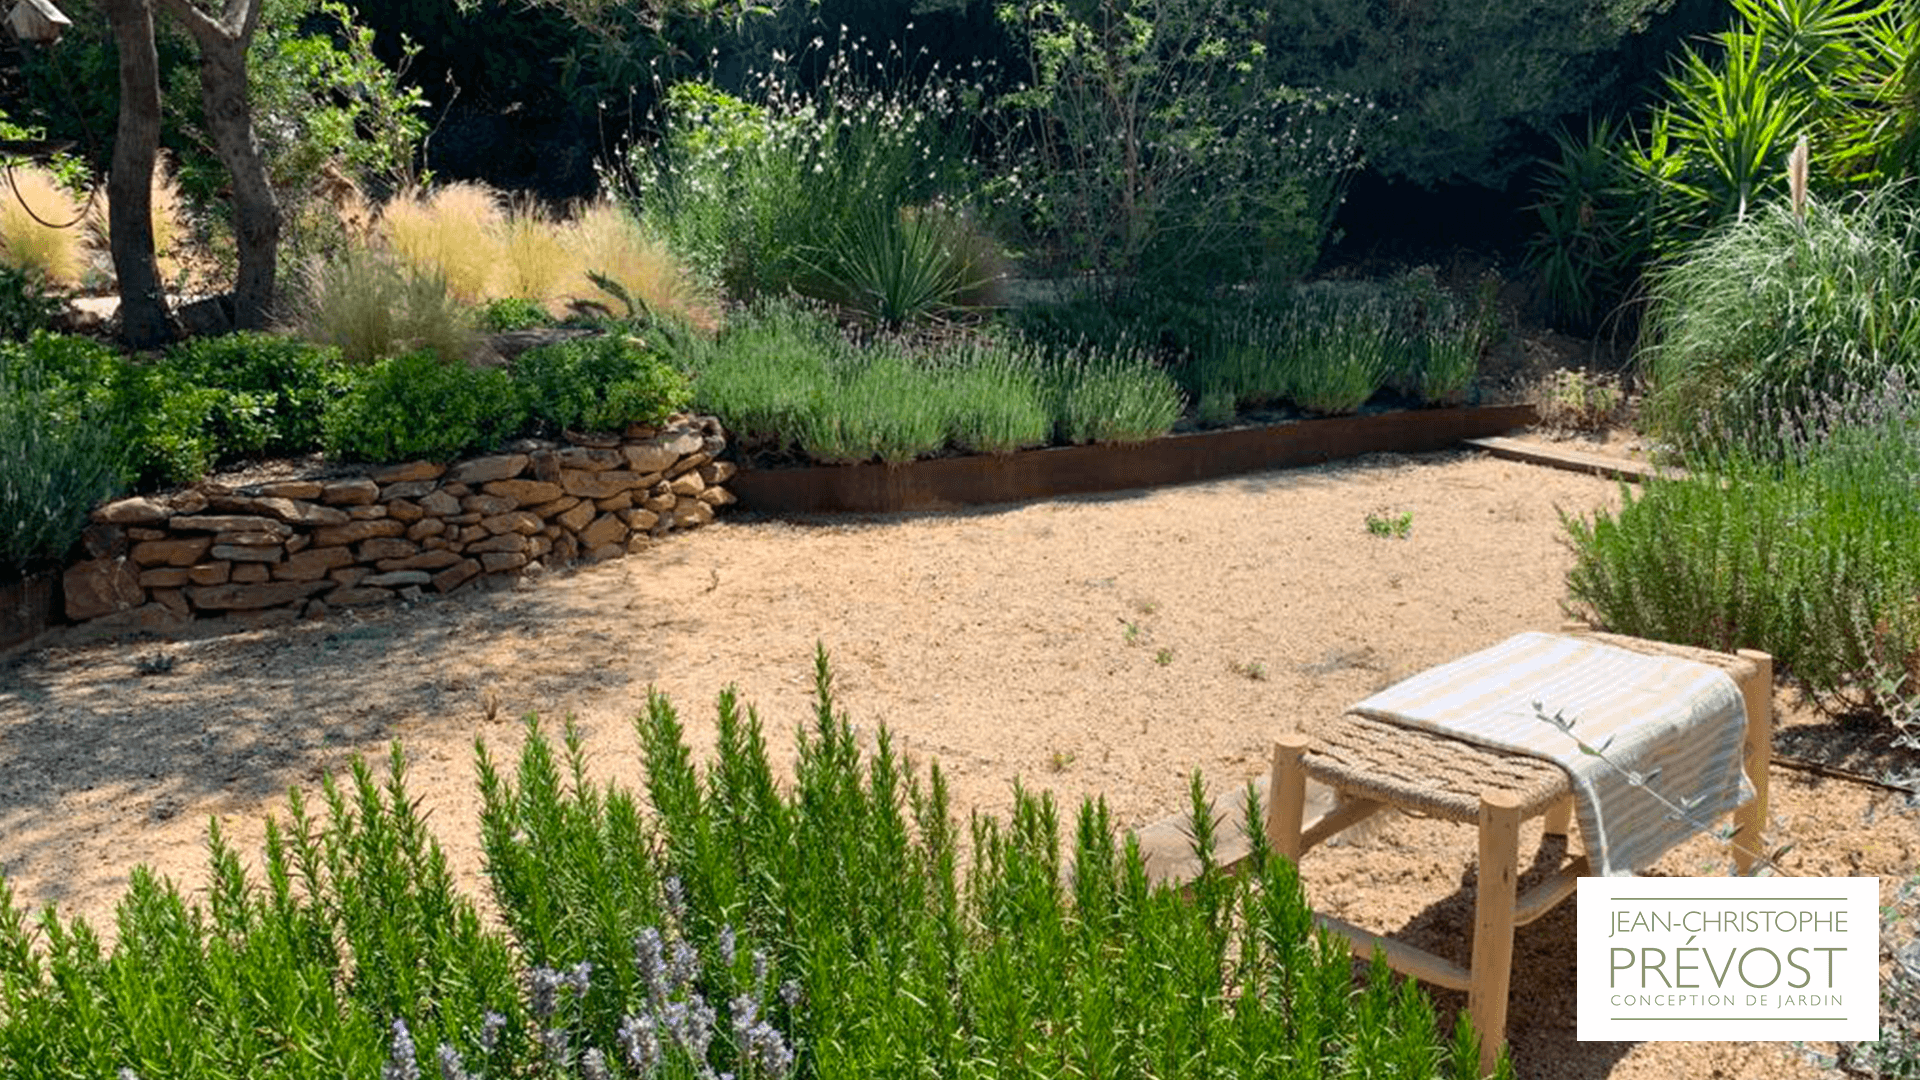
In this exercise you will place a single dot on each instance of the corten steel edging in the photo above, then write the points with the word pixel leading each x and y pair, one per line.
pixel 945 483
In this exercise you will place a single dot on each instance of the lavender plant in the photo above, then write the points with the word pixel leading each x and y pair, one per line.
pixel 1807 548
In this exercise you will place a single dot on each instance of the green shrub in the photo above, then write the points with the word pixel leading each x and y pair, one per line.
pixel 899 266
pixel 273 390
pixel 765 373
pixel 1765 316
pixel 598 384
pixel 1157 144
pixel 1808 549
pixel 513 313
pixel 418 406
pixel 996 395
pixel 62 457
pixel 1461 88
pixel 25 305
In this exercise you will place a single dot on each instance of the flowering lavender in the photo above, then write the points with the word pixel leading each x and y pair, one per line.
pixel 451 1067
pixel 726 945
pixel 640 1042
pixel 402 1061
pixel 490 1028
pixel 761 1044
pixel 593 1065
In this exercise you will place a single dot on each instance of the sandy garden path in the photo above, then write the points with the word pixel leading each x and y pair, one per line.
pixel 1094 646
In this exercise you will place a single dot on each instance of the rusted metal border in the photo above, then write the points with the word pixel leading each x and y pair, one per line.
pixel 947 483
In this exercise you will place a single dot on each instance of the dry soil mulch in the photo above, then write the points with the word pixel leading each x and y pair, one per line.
pixel 1095 646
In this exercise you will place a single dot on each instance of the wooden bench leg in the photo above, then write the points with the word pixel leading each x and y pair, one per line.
pixel 1560 817
pixel 1493 923
pixel 1750 821
pixel 1287 794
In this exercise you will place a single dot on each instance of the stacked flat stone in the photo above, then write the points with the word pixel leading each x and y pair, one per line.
pixel 304 545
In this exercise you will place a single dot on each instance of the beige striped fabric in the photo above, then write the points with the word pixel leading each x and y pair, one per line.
pixel 1675 724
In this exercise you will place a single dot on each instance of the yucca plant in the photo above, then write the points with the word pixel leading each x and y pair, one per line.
pixel 899 266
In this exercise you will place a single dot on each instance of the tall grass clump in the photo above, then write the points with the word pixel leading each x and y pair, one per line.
pixel 38 232
pixel 848 913
pixel 535 262
pixel 452 232
pixel 1763 318
pixel 1807 547
pixel 62 457
pixel 606 240
pixel 767 190
pixel 369 306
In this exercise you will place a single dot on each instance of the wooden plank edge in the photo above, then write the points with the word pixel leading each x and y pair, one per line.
pixel 1401 957
pixel 1612 468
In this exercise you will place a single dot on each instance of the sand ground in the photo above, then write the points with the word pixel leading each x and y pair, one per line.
pixel 1104 645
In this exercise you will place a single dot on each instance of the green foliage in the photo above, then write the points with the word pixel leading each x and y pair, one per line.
pixel 598 384
pixel 783 378
pixel 1163 146
pixel 26 307
pixel 1763 317
pixel 513 313
pixel 273 390
pixel 1808 548
pixel 1109 396
pixel 1458 86
pixel 1844 75
pixel 1594 231
pixel 896 954
pixel 417 406
pixel 61 459
pixel 755 190
pixel 355 925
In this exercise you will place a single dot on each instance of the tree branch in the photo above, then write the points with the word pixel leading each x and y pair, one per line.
pixel 198 23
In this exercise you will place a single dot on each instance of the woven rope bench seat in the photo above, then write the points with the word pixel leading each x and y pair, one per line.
pixel 1433 774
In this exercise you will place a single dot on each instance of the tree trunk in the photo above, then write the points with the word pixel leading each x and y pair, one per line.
pixel 145 322
pixel 223 94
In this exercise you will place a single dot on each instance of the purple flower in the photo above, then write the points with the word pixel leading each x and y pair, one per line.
pixel 401 1059
pixel 451 1067
pixel 490 1028
pixel 640 1042
pixel 593 1065
pixel 726 946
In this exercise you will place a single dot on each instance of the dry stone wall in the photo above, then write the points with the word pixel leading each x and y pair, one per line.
pixel 303 546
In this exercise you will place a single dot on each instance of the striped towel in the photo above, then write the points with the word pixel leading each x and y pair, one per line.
pixel 1679 724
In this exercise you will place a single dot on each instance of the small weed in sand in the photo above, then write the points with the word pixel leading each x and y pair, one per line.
pixel 1145 606
pixel 1059 761
pixel 1250 669
pixel 1387 524
pixel 1570 401
pixel 1163 657
pixel 1133 633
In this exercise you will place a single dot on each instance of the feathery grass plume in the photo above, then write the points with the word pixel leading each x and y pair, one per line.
pixel 606 241
pixel 369 307
pixel 535 262
pixel 1763 317
pixel 168 213
pixel 30 238
pixel 452 231
pixel 1797 178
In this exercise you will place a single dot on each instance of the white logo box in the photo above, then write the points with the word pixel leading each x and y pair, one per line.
pixel 1728 958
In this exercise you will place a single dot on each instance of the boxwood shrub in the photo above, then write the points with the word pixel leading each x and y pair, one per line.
pixel 419 407
pixel 598 384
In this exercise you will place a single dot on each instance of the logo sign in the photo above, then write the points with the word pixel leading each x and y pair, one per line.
pixel 1700 958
